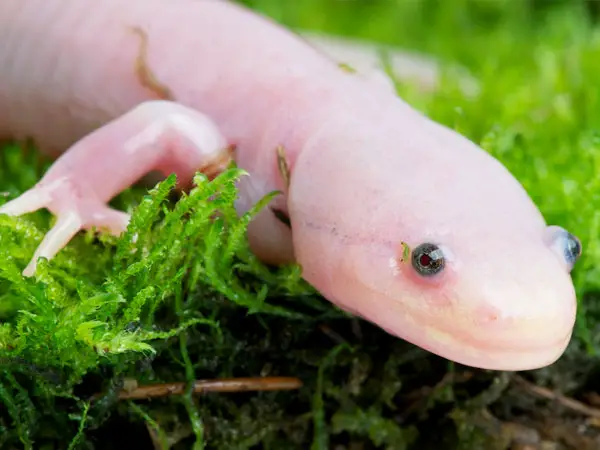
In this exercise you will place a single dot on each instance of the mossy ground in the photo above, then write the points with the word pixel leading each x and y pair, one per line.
pixel 187 300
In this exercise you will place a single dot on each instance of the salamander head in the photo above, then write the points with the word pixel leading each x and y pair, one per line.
pixel 419 231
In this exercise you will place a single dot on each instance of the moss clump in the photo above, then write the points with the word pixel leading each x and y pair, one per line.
pixel 108 307
pixel 186 299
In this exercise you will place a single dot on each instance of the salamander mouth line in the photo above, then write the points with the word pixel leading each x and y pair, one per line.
pixel 457 334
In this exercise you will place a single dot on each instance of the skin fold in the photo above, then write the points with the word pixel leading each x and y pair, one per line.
pixel 116 90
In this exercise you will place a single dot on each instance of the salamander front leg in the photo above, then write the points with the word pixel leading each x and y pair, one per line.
pixel 155 136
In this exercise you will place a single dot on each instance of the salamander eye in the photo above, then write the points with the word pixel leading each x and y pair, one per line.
pixel 566 245
pixel 428 259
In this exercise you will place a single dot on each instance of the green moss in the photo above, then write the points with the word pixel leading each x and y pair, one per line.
pixel 186 299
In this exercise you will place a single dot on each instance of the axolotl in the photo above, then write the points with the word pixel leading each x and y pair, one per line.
pixel 393 217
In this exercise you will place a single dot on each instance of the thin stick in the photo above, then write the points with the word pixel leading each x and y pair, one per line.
pixel 218 385
pixel 567 402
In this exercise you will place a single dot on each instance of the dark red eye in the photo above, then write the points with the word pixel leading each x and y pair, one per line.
pixel 428 259
pixel 425 260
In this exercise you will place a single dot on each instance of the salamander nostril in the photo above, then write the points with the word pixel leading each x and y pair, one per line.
pixel 566 245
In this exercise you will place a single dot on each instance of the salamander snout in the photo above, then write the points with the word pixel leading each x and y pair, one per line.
pixel 565 245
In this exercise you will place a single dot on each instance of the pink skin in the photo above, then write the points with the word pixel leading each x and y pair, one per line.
pixel 367 171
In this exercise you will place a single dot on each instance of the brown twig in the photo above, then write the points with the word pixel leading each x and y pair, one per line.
pixel 282 164
pixel 567 402
pixel 332 334
pixel 217 385
pixel 143 71
pixel 447 379
pixel 418 398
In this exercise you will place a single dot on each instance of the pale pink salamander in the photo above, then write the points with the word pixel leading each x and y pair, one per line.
pixel 126 88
